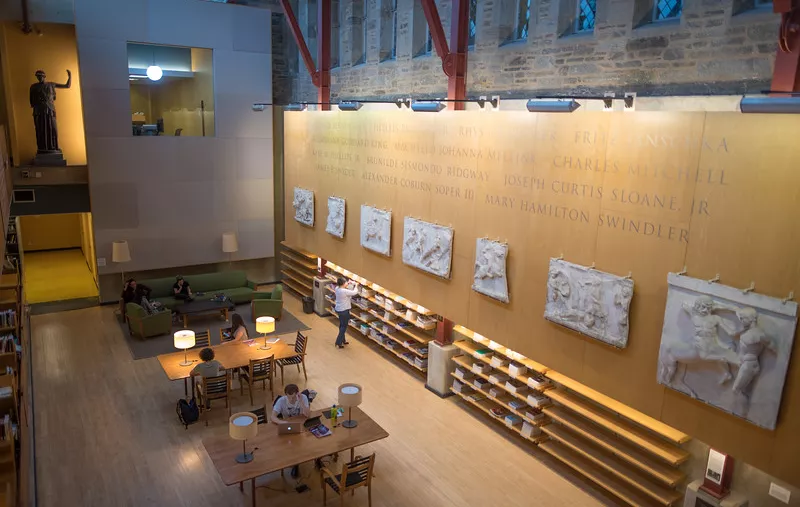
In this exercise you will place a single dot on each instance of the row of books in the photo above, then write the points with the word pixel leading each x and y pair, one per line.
pixel 8 430
pixel 8 318
pixel 8 343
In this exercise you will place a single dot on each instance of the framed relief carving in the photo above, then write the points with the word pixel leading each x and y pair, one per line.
pixel 303 203
pixel 335 223
pixel 427 246
pixel 376 230
pixel 589 301
pixel 489 277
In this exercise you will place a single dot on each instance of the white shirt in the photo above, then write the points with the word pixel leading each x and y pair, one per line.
pixel 343 298
pixel 286 410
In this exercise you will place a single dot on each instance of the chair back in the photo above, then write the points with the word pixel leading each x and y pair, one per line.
pixel 277 292
pixel 261 414
pixel 300 343
pixel 134 310
pixel 358 473
pixel 261 368
pixel 222 337
pixel 216 387
pixel 202 339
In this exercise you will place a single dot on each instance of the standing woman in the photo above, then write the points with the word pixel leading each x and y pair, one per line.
pixel 238 329
pixel 343 305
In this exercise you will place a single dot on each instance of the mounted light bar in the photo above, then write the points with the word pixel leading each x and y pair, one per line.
pixel 552 106
pixel 428 107
pixel 350 105
pixel 770 105
pixel 296 107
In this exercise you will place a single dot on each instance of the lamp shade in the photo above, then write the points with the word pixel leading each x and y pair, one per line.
pixel 229 242
pixel 243 425
pixel 265 325
pixel 184 339
pixel 349 395
pixel 120 252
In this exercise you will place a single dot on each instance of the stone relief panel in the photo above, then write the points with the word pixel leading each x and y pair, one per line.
pixel 376 230
pixel 727 347
pixel 303 203
pixel 591 302
pixel 335 225
pixel 489 278
pixel 427 246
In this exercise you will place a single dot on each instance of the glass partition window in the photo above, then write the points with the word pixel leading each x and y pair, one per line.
pixel 171 90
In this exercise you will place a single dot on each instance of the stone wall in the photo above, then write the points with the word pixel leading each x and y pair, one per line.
pixel 717 47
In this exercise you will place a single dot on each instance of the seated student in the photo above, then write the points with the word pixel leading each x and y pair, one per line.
pixel 294 404
pixel 209 367
pixel 238 329
pixel 181 289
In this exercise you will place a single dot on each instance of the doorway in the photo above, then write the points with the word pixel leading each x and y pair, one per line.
pixel 58 257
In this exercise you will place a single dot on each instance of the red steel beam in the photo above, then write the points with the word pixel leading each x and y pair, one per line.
pixel 324 54
pixel 786 75
pixel 454 63
pixel 301 42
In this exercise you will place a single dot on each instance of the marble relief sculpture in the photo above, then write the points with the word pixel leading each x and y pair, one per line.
pixel 490 269
pixel 427 246
pixel 335 225
pixel 303 203
pixel 376 230
pixel 591 302
pixel 727 347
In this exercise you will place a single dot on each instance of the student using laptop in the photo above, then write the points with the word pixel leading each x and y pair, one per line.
pixel 294 404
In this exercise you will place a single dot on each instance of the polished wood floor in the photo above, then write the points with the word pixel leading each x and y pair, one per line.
pixel 107 433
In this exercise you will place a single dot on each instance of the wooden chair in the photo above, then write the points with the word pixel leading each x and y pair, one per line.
pixel 300 344
pixel 354 475
pixel 222 337
pixel 214 388
pixel 202 339
pixel 259 369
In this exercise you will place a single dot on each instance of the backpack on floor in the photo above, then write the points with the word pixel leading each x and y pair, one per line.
pixel 188 412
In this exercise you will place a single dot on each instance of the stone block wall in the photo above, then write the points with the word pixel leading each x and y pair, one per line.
pixel 716 47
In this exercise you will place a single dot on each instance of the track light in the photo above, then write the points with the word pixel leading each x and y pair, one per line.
pixel 296 107
pixel 350 105
pixel 494 102
pixel 403 102
pixel 427 107
pixel 770 105
pixel 552 106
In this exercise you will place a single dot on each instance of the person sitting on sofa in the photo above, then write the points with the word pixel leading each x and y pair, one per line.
pixel 181 289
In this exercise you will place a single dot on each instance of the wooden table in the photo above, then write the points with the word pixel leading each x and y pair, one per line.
pixel 276 452
pixel 232 355
pixel 203 308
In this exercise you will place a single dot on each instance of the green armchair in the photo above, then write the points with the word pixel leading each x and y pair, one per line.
pixel 146 326
pixel 268 304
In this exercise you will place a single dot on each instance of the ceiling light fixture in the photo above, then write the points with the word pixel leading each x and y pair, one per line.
pixel 427 107
pixel 552 105
pixel 350 105
pixel 770 105
pixel 154 72
pixel 296 107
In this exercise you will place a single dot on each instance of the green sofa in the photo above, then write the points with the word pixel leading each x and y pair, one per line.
pixel 233 284
pixel 145 326
pixel 268 304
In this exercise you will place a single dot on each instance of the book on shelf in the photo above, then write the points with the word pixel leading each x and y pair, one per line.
pixel 498 378
pixel 538 381
pixel 499 412
pixel 517 404
pixel 534 415
pixel 423 351
pixel 480 383
pixel 457 386
pixel 411 315
pixel 476 396
pixel 498 362
pixel 512 420
pixel 482 352
pixel 529 430
pixel 516 387
pixel 537 400
pixel 421 362
pixel 480 368
pixel 516 369
pixel 463 374
pixel 494 392
pixel 425 321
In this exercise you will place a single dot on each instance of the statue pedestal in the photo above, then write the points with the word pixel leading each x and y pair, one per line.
pixel 439 368
pixel 51 158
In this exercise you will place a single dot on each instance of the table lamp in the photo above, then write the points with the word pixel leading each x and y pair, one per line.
pixel 265 325
pixel 230 244
pixel 349 396
pixel 184 339
pixel 243 425
pixel 120 253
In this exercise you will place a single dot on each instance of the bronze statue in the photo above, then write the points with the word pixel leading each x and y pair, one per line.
pixel 43 96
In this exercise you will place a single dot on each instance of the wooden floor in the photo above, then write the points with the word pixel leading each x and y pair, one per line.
pixel 107 433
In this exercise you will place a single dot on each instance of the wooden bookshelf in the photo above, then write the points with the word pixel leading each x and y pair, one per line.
pixel 299 269
pixel 486 405
pixel 502 401
pixel 634 462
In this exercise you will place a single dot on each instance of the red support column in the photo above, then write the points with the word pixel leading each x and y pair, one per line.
pixel 786 75
pixel 324 55
pixel 323 269
pixel 444 332
pixel 454 61
pixel 301 42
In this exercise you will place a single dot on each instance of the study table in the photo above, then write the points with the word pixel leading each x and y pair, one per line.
pixel 231 355
pixel 276 452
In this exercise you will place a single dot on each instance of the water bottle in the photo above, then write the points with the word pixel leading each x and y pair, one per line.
pixel 334 413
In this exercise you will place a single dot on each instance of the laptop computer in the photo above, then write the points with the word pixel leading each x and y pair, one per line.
pixel 288 428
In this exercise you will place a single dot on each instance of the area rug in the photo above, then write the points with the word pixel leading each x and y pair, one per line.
pixel 152 347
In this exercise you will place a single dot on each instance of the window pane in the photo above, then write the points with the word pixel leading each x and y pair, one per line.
pixel 666 9
pixel 429 42
pixel 394 29
pixel 334 33
pixel 473 21
pixel 523 19
pixel 586 12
